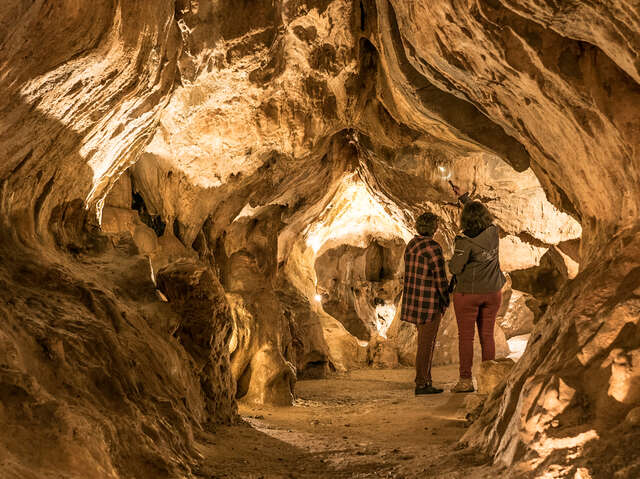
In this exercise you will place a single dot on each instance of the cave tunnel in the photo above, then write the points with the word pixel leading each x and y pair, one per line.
pixel 204 209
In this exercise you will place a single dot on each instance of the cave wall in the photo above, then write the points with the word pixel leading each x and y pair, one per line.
pixel 557 91
pixel 94 380
pixel 355 285
pixel 214 107
pixel 98 376
pixel 517 72
pixel 264 357
pixel 81 99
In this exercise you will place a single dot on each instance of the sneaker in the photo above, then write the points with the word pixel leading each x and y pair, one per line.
pixel 428 389
pixel 465 385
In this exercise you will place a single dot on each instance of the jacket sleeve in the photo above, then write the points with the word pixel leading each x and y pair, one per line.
pixel 460 257
pixel 439 274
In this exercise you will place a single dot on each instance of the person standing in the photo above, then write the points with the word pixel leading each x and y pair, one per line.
pixel 478 292
pixel 425 295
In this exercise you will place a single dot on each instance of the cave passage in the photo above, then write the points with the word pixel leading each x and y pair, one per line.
pixel 359 424
pixel 204 207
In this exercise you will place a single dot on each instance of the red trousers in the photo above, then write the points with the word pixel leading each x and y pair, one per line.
pixel 472 309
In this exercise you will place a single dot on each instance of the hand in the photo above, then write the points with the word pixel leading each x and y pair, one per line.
pixel 464 198
pixel 455 189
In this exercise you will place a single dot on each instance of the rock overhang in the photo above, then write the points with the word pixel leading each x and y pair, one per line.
pixel 425 86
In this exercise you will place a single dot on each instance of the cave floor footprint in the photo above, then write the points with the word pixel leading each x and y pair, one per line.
pixel 366 423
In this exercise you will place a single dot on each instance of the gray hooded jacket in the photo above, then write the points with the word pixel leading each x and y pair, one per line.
pixel 476 263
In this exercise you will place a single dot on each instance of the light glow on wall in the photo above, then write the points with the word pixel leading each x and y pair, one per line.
pixel 384 317
pixel 352 216
pixel 445 172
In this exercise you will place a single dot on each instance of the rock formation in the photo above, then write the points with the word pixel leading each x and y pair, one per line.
pixel 179 178
pixel 489 374
pixel 360 284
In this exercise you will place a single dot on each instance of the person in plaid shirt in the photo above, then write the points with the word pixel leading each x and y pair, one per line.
pixel 425 295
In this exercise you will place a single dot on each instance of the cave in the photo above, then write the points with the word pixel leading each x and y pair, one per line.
pixel 204 207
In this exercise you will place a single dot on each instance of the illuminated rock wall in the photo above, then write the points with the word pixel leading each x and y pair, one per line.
pixel 217 109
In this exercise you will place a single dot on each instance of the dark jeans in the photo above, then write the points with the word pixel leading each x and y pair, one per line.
pixel 472 309
pixel 427 333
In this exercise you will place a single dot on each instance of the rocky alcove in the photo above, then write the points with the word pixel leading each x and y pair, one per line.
pixel 203 211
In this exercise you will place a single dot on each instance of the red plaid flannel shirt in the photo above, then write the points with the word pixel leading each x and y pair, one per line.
pixel 426 288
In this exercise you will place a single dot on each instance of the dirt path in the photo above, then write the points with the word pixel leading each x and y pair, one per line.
pixel 363 424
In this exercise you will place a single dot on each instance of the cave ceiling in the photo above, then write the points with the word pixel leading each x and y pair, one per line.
pixel 272 102
pixel 267 107
pixel 240 135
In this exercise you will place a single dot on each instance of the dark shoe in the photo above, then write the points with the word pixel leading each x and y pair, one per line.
pixel 428 389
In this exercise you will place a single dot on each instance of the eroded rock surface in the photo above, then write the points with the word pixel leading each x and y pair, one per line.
pixel 280 114
pixel 195 294
pixel 490 373
pixel 92 377
pixel 517 318
pixel 359 285
pixel 585 385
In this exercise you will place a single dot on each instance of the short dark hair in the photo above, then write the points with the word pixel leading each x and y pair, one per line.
pixel 475 218
pixel 427 224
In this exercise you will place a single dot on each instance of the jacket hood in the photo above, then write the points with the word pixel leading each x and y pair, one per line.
pixel 488 239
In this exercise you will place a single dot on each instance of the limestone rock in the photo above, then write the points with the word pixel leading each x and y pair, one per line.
pixel 518 319
pixel 120 220
pixel 490 373
pixel 544 280
pixel 344 351
pixel 97 326
pixel 279 333
pixel 262 114
pixel 120 195
pixel 473 404
pixel 383 353
pixel 558 388
pixel 516 254
pixel 196 295
pixel 633 417
pixel 264 375
pixel 356 281
pixel 263 354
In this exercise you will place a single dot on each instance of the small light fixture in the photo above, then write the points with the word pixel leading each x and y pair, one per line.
pixel 318 297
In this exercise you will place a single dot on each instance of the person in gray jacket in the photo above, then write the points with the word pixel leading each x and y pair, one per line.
pixel 478 291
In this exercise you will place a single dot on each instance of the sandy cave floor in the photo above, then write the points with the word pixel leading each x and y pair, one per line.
pixel 366 423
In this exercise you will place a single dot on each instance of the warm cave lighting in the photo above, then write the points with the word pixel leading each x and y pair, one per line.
pixel 318 298
pixel 354 215
pixel 384 317
pixel 517 345
pixel 445 172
